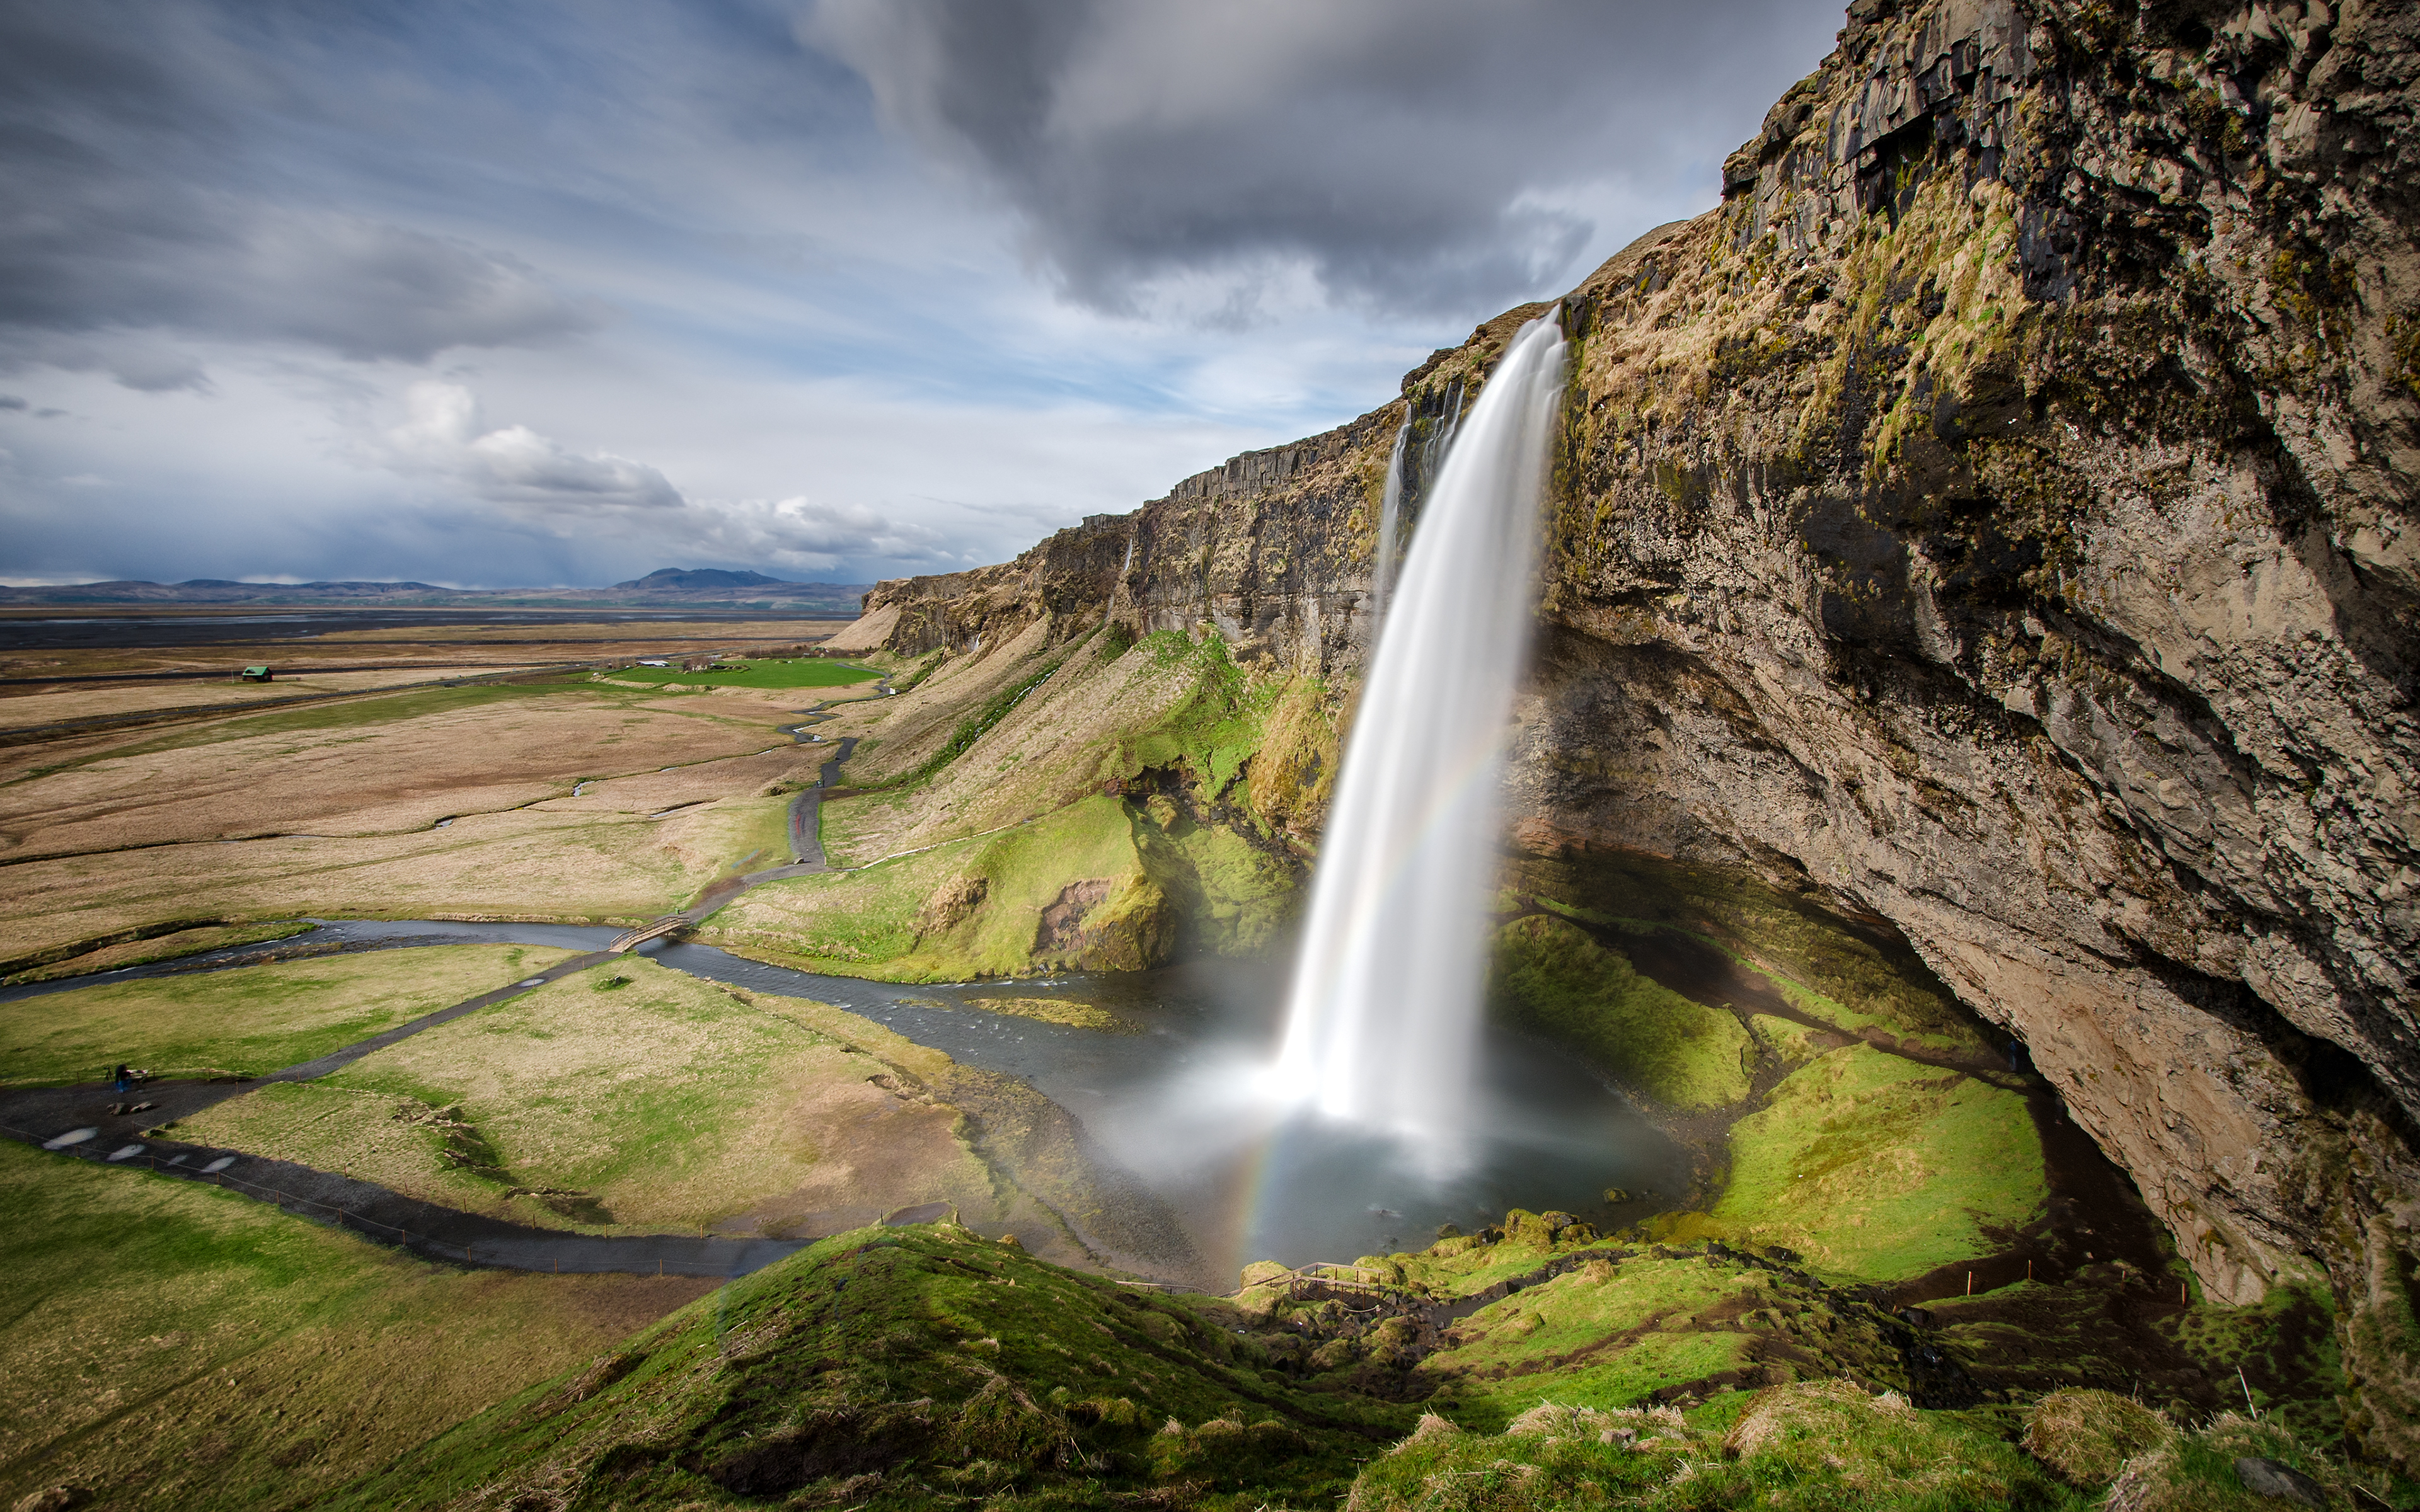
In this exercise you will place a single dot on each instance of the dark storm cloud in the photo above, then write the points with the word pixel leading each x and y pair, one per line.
pixel 1414 154
pixel 132 200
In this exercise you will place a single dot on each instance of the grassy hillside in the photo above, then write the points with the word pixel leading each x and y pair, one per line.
pixel 174 1347
pixel 927 1368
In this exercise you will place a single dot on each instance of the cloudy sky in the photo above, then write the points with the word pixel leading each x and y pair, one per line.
pixel 557 292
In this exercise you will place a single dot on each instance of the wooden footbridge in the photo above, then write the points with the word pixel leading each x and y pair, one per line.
pixel 1323 1278
pixel 653 930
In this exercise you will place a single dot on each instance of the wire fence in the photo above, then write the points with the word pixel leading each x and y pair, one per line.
pixel 498 1254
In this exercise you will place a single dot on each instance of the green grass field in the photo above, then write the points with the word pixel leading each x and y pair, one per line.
pixel 171 1346
pixel 803 672
pixel 627 1095
pixel 249 1020
pixel 1881 1168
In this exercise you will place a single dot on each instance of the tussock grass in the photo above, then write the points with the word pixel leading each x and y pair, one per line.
pixel 2086 1436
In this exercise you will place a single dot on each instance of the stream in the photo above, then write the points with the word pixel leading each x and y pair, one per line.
pixel 1170 1091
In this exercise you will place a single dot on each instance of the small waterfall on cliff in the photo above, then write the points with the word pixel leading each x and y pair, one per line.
pixel 1384 1011
pixel 1382 573
pixel 1409 465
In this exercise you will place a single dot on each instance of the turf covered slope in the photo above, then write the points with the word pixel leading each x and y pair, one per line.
pixel 908 1367
pixel 1535 1366
pixel 1085 801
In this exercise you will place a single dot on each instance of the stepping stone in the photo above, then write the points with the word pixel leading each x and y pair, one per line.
pixel 534 981
pixel 74 1136
pixel 219 1164
pixel 126 1152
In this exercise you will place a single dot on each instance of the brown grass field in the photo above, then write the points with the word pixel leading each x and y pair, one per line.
pixel 336 808
pixel 558 637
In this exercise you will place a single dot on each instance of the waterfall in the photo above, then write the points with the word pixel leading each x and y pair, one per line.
pixel 1383 1012
pixel 1407 467
pixel 1381 574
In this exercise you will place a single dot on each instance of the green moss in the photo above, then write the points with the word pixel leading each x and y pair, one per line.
pixel 1232 895
pixel 2289 1335
pixel 1553 978
pixel 1211 731
pixel 1879 1168
pixel 1793 1042
pixel 1825 967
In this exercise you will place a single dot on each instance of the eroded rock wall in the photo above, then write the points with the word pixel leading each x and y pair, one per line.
pixel 1996 518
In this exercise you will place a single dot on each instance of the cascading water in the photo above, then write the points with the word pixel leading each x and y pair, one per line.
pixel 1407 466
pixel 1390 513
pixel 1384 1013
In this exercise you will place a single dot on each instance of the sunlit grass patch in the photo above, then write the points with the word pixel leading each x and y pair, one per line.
pixel 968 908
pixel 247 1020
pixel 805 672
pixel 1883 1168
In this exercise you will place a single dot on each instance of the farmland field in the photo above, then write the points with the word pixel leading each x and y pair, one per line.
pixel 801 672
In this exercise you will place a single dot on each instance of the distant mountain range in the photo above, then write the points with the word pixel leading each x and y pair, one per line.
pixel 702 588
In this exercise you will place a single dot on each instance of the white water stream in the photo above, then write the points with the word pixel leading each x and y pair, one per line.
pixel 1383 1020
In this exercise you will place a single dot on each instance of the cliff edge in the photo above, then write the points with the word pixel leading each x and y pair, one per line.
pixel 1995 523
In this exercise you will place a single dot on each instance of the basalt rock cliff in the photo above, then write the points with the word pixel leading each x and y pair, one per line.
pixel 1996 520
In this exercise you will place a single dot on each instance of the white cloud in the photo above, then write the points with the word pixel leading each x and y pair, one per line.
pixel 515 465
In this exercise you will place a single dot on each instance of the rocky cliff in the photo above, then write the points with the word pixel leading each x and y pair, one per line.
pixel 1996 519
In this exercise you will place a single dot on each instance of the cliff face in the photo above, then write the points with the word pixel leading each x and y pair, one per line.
pixel 1997 519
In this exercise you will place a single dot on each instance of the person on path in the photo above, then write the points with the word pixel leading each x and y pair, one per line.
pixel 122 1075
